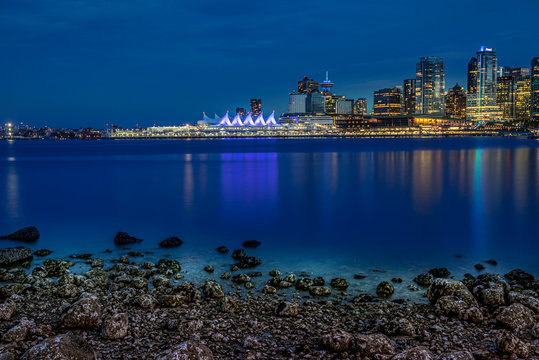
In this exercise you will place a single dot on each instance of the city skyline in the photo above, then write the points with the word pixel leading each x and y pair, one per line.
pixel 58 74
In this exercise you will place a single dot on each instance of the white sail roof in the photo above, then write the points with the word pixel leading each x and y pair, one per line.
pixel 259 121
pixel 271 119
pixel 225 121
pixel 237 120
pixel 248 121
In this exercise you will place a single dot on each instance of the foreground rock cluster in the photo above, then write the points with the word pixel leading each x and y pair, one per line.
pixel 142 310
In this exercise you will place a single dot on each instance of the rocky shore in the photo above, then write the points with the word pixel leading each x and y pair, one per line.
pixel 132 309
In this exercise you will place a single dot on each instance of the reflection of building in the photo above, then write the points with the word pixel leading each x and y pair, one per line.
pixel 307 85
pixel 297 103
pixel 315 103
pixel 241 111
pixel 360 107
pixel 256 107
pixel 345 106
pixel 481 105
pixel 387 102
pixel 408 93
pixel 430 85
pixel 535 89
pixel 455 102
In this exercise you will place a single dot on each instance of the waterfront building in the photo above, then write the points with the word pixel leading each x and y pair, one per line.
pixel 472 76
pixel 297 103
pixel 408 93
pixel 430 85
pixel 326 84
pixel 256 107
pixel 523 98
pixel 241 111
pixel 387 102
pixel 318 119
pixel 315 102
pixel 455 102
pixel 505 96
pixel 345 106
pixel 307 86
pixel 481 105
pixel 360 107
pixel 535 89
pixel 331 102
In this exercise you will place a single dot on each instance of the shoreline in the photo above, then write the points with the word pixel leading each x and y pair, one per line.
pixel 132 309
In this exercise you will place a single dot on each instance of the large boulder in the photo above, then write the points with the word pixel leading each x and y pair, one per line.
pixel 339 283
pixel 424 280
pixel 189 350
pixel 516 317
pixel 57 268
pixel 123 238
pixel 439 272
pixel 385 289
pixel 251 243
pixel 416 353
pixel 171 242
pixel 524 299
pixel 451 305
pixel 61 347
pixel 248 262
pixel 14 255
pixel 115 326
pixel 490 290
pixel 447 287
pixel 83 314
pixel 508 343
pixel 374 344
pixel 337 341
pixel 7 309
pixel 520 277
pixel 189 291
pixel 458 355
pixel 18 332
pixel 212 289
pixel 30 233
pixel 169 266
pixel 287 309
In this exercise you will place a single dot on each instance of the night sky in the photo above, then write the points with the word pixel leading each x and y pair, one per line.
pixel 87 63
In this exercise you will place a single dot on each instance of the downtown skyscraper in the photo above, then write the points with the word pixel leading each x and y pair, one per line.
pixel 535 89
pixel 430 85
pixel 481 103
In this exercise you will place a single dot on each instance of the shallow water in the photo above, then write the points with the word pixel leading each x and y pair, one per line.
pixel 325 206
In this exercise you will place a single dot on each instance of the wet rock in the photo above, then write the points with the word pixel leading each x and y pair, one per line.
pixel 339 283
pixel 509 344
pixel 29 234
pixel 337 341
pixel 81 256
pixel 424 279
pixel 57 268
pixel 115 326
pixel 171 242
pixel 83 314
pixel 6 356
pixel 227 304
pixel 490 290
pixel 516 317
pixel 439 272
pixel 416 353
pixel 174 300
pixel 14 255
pixel 249 285
pixel 160 281
pixel 275 272
pixel 189 290
pixel 359 276
pixel 492 262
pixel 251 243
pixel 385 289
pixel 254 274
pixel 61 347
pixel 146 301
pixel 169 266
pixel 225 276
pixel 319 281
pixel 479 267
pixel 287 309
pixel 524 299
pixel 212 289
pixel 304 284
pixel 445 287
pixel 396 280
pixel 189 350
pixel 458 355
pixel 412 287
pixel 135 254
pixel 18 332
pixel 222 249
pixel 269 290
pixel 402 327
pixel 123 238
pixel 241 279
pixel 521 278
pixel 233 268
pixel 374 344
pixel 124 260
pixel 452 306
pixel 42 252
pixel 238 254
pixel 209 268
pixel 319 291
pixel 7 309
pixel 248 262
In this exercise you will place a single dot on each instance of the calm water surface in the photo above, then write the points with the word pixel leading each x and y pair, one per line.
pixel 326 206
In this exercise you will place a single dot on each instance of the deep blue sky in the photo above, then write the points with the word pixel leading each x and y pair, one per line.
pixel 78 63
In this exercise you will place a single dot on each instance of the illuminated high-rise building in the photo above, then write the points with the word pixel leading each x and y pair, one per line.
pixel 315 102
pixel 518 73
pixel 241 111
pixel 535 89
pixel 481 105
pixel 344 106
pixel 408 93
pixel 307 85
pixel 430 85
pixel 523 98
pixel 387 102
pixel 360 107
pixel 505 97
pixel 256 107
pixel 331 102
pixel 472 76
pixel 297 103
pixel 455 102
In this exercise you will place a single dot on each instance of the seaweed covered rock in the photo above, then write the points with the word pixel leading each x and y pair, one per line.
pixel 212 289
pixel 248 262
pixel 83 314
pixel 57 268
pixel 14 255
pixel 490 290
pixel 439 272
pixel 424 280
pixel 446 287
pixel 319 291
pixel 61 347
pixel 28 234
pixel 123 238
pixel 521 278
pixel 304 284
pixel 238 254
pixel 169 266
pixel 339 283
pixel 171 242
pixel 337 341
pixel 385 289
